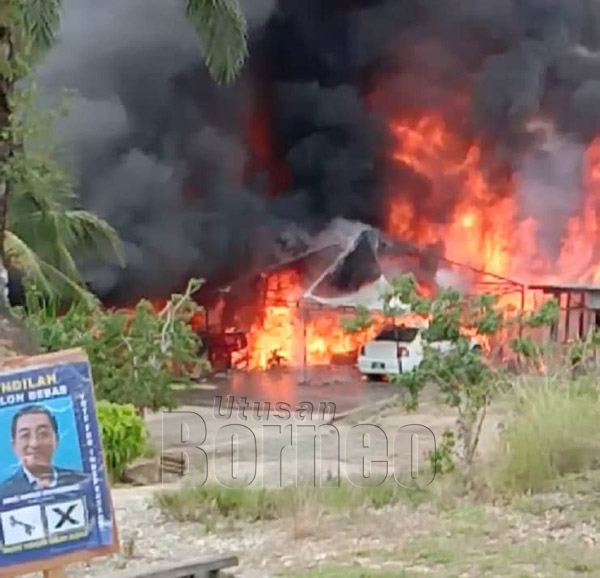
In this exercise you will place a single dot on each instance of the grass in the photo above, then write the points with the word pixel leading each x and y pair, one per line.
pixel 552 434
pixel 466 541
pixel 454 557
pixel 575 499
pixel 195 504
pixel 544 465
pixel 352 572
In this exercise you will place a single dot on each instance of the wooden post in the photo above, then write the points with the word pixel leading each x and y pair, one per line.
pixel 304 352
pixel 582 324
pixel 568 318
pixel 55 573
pixel 522 311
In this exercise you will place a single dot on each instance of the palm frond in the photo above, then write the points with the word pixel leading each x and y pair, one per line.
pixel 41 19
pixel 223 32
pixel 67 288
pixel 23 258
pixel 92 235
pixel 47 278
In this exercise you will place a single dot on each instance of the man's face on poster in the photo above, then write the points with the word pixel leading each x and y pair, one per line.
pixel 35 441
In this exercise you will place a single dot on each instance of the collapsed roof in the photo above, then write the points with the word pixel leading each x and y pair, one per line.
pixel 351 265
pixel 362 271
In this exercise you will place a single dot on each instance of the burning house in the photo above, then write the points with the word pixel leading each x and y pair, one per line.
pixel 464 132
pixel 292 312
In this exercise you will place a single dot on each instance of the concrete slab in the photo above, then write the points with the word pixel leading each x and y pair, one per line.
pixel 281 421
pixel 342 386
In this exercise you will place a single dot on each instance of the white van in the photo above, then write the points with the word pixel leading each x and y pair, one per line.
pixel 397 350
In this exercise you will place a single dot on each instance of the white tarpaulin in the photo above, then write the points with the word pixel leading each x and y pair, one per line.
pixel 368 296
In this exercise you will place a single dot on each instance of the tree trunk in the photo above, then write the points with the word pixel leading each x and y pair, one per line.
pixel 6 152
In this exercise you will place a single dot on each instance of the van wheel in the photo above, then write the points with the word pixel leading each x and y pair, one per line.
pixel 375 377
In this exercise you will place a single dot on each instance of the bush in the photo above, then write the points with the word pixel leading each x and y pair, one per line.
pixel 133 354
pixel 553 433
pixel 124 436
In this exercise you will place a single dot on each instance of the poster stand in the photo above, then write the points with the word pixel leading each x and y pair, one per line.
pixel 55 567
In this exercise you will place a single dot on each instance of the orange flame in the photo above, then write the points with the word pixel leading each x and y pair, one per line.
pixel 280 336
pixel 477 232
pixel 484 230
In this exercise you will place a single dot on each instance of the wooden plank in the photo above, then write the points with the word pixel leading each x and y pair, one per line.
pixel 197 568
pixel 67 356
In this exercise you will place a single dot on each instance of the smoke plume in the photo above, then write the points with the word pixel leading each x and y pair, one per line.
pixel 209 181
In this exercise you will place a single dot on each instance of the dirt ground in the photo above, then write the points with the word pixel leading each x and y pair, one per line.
pixel 441 536
pixel 554 536
pixel 271 452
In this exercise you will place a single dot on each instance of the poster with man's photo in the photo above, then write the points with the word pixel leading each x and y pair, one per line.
pixel 54 495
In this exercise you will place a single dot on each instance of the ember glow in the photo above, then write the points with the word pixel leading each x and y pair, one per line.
pixel 483 228
pixel 272 337
pixel 279 336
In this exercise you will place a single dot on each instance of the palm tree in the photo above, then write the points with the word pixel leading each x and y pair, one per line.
pixel 41 229
pixel 46 231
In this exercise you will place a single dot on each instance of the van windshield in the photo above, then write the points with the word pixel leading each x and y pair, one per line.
pixel 399 334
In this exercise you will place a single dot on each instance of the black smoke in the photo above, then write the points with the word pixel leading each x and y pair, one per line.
pixel 208 181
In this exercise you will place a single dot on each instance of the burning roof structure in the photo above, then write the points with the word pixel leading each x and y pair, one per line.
pixel 292 311
pixel 349 265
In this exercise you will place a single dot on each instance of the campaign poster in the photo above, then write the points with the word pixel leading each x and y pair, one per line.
pixel 54 495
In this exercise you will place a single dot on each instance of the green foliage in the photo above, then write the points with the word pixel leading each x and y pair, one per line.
pixel 360 322
pixel 546 315
pixel 124 436
pixel 447 312
pixel 525 347
pixel 48 233
pixel 133 354
pixel 403 295
pixel 442 460
pixel 411 383
pixel 220 24
pixel 33 25
pixel 467 384
pixel 40 20
pixel 485 315
pixel 202 503
pixel 223 32
pixel 465 379
pixel 403 288
pixel 552 434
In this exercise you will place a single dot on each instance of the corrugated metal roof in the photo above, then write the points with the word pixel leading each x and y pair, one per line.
pixel 572 287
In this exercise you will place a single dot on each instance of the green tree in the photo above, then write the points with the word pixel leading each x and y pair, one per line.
pixel 466 380
pixel 44 246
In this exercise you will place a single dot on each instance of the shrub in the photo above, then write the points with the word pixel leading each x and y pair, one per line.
pixel 133 354
pixel 124 436
pixel 553 433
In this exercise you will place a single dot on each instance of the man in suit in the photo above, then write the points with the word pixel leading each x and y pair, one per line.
pixel 35 437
